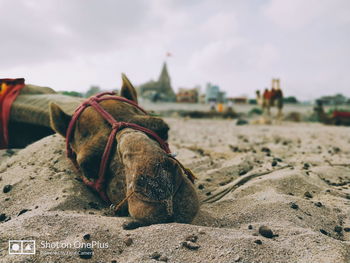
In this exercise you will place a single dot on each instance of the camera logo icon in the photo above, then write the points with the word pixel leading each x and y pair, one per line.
pixel 21 247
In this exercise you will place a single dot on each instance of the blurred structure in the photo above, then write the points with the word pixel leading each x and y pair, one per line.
pixel 238 100
pixel 188 95
pixel 159 90
pixel 213 94
pixel 337 99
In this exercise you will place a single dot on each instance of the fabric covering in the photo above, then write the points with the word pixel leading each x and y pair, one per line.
pixel 9 90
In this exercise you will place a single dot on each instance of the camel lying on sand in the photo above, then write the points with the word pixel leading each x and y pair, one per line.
pixel 146 182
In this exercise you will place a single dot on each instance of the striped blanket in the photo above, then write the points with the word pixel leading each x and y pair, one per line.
pixel 9 90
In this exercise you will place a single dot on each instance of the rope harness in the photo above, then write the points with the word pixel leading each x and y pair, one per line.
pixel 99 185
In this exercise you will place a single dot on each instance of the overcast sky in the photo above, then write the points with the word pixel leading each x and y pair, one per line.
pixel 239 45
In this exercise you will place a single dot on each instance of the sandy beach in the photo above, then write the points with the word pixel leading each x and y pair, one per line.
pixel 271 193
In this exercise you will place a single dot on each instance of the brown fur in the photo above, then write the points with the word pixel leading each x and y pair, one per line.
pixel 162 191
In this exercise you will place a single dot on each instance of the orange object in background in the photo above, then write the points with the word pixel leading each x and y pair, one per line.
pixel 9 90
pixel 220 107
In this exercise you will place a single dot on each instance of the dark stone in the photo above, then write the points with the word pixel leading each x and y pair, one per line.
pixel 265 232
pixel 2 217
pixel 7 188
pixel 278 159
pixel 324 232
pixel 308 195
pixel 274 163
pixel 242 172
pixel 234 148
pixel 23 211
pixel 200 186
pixel 347 229
pixel 131 225
pixel 265 149
pixel 128 241
pixel 338 229
pixel 294 206
pixel 85 253
pixel 190 245
pixel 258 241
pixel 241 122
pixel 318 204
pixel 87 237
pixel 250 227
pixel 155 255
pixel 306 166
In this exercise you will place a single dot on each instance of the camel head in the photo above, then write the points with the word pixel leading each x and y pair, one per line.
pixel 138 169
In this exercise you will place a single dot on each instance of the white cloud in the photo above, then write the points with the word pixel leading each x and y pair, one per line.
pixel 239 45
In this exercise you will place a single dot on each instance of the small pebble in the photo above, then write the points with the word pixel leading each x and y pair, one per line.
pixel 265 149
pixel 318 204
pixel 85 253
pixel 87 237
pixel 294 206
pixel 242 172
pixel 324 232
pixel 190 245
pixel 155 255
pixel 200 186
pixel 258 241
pixel 7 188
pixel 308 194
pixel 114 261
pixel 265 232
pixel 2 217
pixel 338 229
pixel 306 166
pixel 274 163
pixel 237 258
pixel 250 227
pixel 192 238
pixel 347 229
pixel 128 241
pixel 23 211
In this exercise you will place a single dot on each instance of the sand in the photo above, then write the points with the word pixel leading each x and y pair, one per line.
pixel 293 178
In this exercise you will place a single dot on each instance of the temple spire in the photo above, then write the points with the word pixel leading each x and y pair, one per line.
pixel 164 75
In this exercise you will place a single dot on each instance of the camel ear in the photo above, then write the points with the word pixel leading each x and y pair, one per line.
pixel 59 120
pixel 128 91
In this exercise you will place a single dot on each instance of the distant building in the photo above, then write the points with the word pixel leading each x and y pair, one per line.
pixel 187 95
pixel 213 94
pixel 159 90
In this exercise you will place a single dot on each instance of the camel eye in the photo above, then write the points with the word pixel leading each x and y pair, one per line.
pixel 90 167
